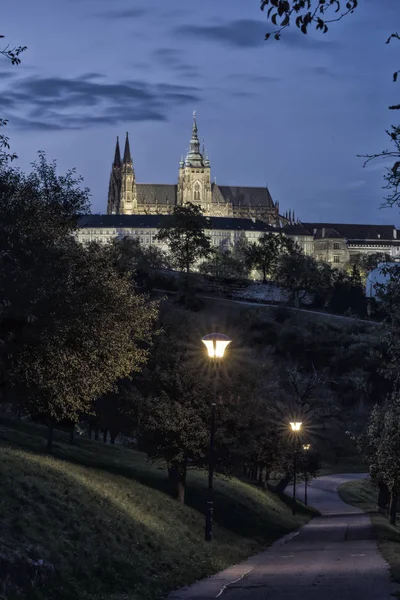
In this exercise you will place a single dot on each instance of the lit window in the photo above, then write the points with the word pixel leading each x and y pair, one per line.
pixel 336 258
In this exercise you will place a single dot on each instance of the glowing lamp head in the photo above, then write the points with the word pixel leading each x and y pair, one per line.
pixel 306 446
pixel 216 344
pixel 295 425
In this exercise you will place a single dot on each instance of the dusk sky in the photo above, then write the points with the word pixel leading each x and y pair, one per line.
pixel 292 114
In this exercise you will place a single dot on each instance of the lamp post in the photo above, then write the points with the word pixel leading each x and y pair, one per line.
pixel 216 344
pixel 296 427
pixel 306 448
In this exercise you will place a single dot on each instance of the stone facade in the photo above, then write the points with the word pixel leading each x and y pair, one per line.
pixel 224 232
pixel 337 244
pixel 128 197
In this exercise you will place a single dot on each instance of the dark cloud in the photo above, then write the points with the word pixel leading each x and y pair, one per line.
pixel 168 56
pixel 171 58
pixel 251 78
pixel 246 33
pixel 46 103
pixel 7 74
pixel 129 13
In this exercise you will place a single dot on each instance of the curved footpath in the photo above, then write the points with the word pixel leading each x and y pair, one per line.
pixel 334 557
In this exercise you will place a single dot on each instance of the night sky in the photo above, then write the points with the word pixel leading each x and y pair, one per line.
pixel 292 114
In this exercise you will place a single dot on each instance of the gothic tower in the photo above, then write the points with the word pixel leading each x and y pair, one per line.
pixel 114 189
pixel 128 203
pixel 194 181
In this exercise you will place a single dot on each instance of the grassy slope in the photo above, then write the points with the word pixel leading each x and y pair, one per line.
pixel 101 515
pixel 363 495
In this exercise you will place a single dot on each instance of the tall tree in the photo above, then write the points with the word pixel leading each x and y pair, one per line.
pixel 71 324
pixel 298 274
pixel 186 238
pixel 264 254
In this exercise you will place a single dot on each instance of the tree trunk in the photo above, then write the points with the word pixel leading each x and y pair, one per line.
pixel 90 432
pixel 113 435
pixel 262 479
pixel 283 483
pixel 393 507
pixel 264 275
pixel 105 432
pixel 72 434
pixel 383 497
pixel 50 435
pixel 96 433
pixel 177 477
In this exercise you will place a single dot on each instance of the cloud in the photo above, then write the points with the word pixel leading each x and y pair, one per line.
pixel 129 13
pixel 246 33
pixel 251 78
pixel 57 103
pixel 171 58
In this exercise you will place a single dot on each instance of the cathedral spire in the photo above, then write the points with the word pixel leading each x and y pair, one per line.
pixel 194 157
pixel 117 156
pixel 127 151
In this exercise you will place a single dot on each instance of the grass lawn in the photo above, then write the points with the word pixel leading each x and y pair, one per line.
pixel 102 516
pixel 363 494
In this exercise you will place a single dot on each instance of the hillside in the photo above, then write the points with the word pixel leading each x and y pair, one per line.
pixel 102 517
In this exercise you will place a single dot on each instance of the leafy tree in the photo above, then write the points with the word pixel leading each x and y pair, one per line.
pixel 225 264
pixel 264 254
pixel 131 256
pixel 185 237
pixel 297 272
pixel 381 446
pixel 71 324
pixel 305 13
pixel 11 54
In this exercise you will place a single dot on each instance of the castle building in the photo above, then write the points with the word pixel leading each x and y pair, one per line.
pixel 127 197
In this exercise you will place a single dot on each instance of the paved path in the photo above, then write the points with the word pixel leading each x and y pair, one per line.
pixel 332 558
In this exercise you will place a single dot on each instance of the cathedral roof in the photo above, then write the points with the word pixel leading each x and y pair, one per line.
pixel 156 193
pixel 246 196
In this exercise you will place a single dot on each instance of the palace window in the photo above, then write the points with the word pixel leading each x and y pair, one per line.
pixel 336 246
pixel 336 258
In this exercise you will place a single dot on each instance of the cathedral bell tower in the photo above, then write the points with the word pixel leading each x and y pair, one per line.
pixel 114 189
pixel 128 188
pixel 122 189
pixel 194 181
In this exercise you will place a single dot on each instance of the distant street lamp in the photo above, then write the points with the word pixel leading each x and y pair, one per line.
pixel 306 448
pixel 216 344
pixel 296 427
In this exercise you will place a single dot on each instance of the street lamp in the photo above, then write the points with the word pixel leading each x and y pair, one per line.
pixel 306 448
pixel 296 427
pixel 216 344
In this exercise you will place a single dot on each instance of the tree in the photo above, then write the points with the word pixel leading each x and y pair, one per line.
pixel 71 325
pixel 381 446
pixel 184 234
pixel 305 14
pixel 224 264
pixel 177 389
pixel 141 262
pixel 297 273
pixel 11 54
pixel 264 254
